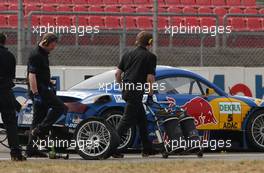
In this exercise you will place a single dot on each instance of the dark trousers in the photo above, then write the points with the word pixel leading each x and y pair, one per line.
pixel 7 109
pixel 46 113
pixel 135 115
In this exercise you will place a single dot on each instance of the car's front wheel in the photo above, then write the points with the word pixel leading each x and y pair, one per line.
pixel 255 130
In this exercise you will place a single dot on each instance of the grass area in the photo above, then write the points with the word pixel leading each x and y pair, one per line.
pixel 182 166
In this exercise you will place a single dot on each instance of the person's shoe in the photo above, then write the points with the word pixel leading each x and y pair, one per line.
pixel 146 154
pixel 19 157
pixel 37 154
pixel 118 155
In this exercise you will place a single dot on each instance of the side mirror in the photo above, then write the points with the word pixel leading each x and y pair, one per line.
pixel 209 91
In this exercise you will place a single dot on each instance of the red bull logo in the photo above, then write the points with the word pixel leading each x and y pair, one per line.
pixel 201 110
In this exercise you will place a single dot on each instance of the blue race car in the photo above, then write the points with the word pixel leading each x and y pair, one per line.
pixel 235 122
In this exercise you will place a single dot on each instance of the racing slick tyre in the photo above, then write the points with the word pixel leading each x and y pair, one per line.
pixel 255 131
pixel 113 117
pixel 95 138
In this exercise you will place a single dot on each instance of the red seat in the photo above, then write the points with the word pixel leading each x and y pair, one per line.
pixel 177 21
pixel 188 2
pixel 3 7
pixel 112 22
pixel 94 1
pixel 110 2
pixel 141 1
pixel 30 8
pixel 82 21
pixel 237 23
pixel 235 10
pixel 160 2
pixel 143 9
pixel 127 9
pixel 251 11
pixel 80 8
pixel 13 7
pixel 65 1
pixel 174 10
pixel 207 21
pixel 13 21
pixel 173 2
pixel 49 8
pixel 144 22
pixel 96 9
pixel 162 23
pixel 112 9
pixel 218 2
pixel 160 10
pixel 203 2
pixel 35 21
pixel 191 21
pixel 64 20
pixel 45 20
pixel 97 21
pixel 3 21
pixel 189 10
pixel 130 23
pixel 261 11
pixel 233 2
pixel 126 1
pixel 80 1
pixel 205 10
pixel 249 2
pixel 220 11
pixel 64 8
pixel 31 1
pixel 254 24
pixel 49 1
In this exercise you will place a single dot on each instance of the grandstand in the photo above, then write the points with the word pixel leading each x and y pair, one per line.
pixel 246 17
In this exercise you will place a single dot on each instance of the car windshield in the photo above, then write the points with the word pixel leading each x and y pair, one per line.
pixel 96 81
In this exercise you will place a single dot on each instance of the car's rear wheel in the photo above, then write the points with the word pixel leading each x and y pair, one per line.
pixel 113 117
pixel 96 139
pixel 255 130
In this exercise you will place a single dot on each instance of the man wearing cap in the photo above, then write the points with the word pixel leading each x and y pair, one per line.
pixel 7 99
pixel 47 107
pixel 138 67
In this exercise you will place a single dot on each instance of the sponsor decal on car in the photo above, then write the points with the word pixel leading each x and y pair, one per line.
pixel 230 107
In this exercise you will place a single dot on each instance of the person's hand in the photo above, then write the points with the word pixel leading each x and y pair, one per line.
pixel 37 99
pixel 150 100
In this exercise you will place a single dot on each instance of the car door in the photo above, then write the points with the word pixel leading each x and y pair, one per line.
pixel 190 94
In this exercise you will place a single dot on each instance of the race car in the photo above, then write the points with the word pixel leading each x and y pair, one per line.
pixel 236 121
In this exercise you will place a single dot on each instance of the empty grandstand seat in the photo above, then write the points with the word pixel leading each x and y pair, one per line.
pixel 248 2
pixel 173 2
pixel 82 20
pixel 233 2
pixel 251 11
pixel 189 10
pixel 13 7
pixel 112 9
pixel 80 8
pixel 3 7
pixel 237 23
pixel 218 2
pixel 174 10
pixel 64 20
pixel 80 1
pixel 127 9
pixel 45 20
pixel 110 1
pixel 112 22
pixel 48 1
pixel 143 9
pixel 35 21
pixel 254 24
pixel 220 11
pixel 176 21
pixel 188 2
pixel 205 10
pixel 65 1
pixel 141 1
pixel 97 21
pixel 3 21
pixel 126 2
pixel 12 21
pixel 130 23
pixel 49 8
pixel 235 10
pixel 162 22
pixel 31 1
pixel 207 21
pixel 161 10
pixel 203 2
pixel 96 9
pixel 30 8
pixel 64 8
pixel 94 1
pixel 160 2
pixel 191 21
pixel 144 22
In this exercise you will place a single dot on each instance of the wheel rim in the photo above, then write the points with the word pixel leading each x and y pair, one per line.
pixel 257 130
pixel 3 136
pixel 97 136
pixel 113 120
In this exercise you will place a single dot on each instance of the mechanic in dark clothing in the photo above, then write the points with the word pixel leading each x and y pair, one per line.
pixel 7 99
pixel 138 68
pixel 47 107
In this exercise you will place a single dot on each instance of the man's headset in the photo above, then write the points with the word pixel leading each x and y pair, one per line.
pixel 150 41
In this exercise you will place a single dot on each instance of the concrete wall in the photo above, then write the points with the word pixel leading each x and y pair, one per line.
pixel 241 80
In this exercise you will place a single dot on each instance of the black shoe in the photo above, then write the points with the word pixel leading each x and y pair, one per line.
pixel 37 154
pixel 118 155
pixel 19 157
